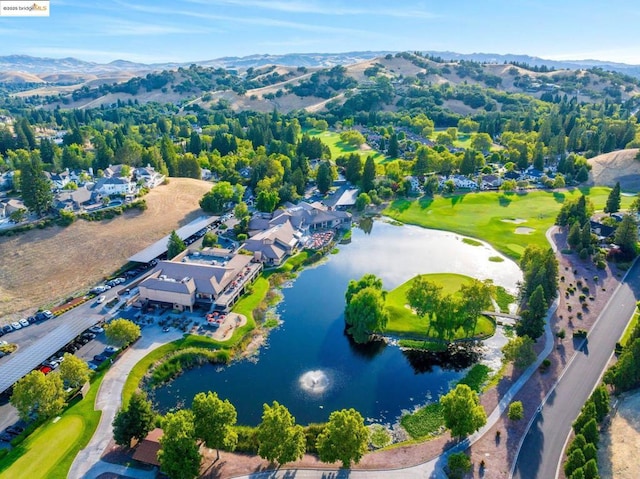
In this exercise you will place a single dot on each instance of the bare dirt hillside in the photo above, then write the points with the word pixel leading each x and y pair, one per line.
pixel 620 443
pixel 42 266
pixel 620 166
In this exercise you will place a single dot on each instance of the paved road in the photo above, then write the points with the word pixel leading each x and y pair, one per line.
pixel 543 445
pixel 109 399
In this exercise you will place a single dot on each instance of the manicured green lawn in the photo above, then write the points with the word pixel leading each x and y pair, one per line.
pixel 340 148
pixel 490 215
pixel 403 322
pixel 50 450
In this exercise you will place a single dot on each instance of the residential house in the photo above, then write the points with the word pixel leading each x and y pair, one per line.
pixel 490 182
pixel 73 200
pixel 116 171
pixel 114 186
pixel 58 180
pixel 602 231
pixel 147 449
pixel 511 175
pixel 273 245
pixel 149 177
pixel 9 205
pixel 460 182
pixel 305 217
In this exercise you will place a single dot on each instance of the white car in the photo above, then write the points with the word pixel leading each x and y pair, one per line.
pixel 101 299
pixel 24 322
pixel 16 325
pixel 96 329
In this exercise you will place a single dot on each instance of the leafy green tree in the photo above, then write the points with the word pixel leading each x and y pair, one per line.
pixel 578 474
pixel 19 215
pixel 175 246
pixel 379 436
pixel 590 432
pixel 462 411
pixel 587 413
pixel 352 137
pixel 324 177
pixel 368 280
pixel 74 371
pixel 481 142
pixel 574 239
pixel 241 210
pixel 516 411
pixel 589 450
pixel 366 314
pixel 267 200
pixel 215 200
pixel 579 442
pixel 353 169
pixel 280 439
pixel 133 422
pixel 579 210
pixel 627 237
pixel 431 185
pixel 458 464
pixel 35 187
pixel 520 351
pixel 39 394
pixel 209 239
pixel 613 200
pixel 582 175
pixel 214 421
pixel 121 332
pixel 424 296
pixel 344 438
pixel 625 374
pixel 179 455
pixel 362 201
pixel 368 175
pixel 590 469
pixel 476 297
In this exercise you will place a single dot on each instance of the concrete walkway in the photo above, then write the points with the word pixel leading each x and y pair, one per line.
pixel 109 400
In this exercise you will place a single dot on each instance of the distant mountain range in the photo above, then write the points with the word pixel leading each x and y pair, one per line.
pixel 39 65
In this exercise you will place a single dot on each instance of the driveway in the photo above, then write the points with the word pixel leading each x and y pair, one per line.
pixel 109 400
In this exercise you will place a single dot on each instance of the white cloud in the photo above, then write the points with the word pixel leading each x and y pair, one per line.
pixel 620 55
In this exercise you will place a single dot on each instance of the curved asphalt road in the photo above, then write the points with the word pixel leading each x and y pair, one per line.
pixel 544 443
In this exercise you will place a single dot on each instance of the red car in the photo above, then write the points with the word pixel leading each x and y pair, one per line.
pixel 45 369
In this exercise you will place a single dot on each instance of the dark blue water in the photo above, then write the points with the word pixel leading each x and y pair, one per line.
pixel 378 380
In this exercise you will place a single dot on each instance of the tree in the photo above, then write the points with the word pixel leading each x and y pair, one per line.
pixel 431 185
pixel 368 174
pixel 352 137
pixel 121 332
pixel 35 187
pixel 353 169
pixel 459 464
pixel 362 201
pixel 215 200
pixel 392 149
pixel 516 411
pixel 587 413
pixel 344 438
pixel 175 245
pixel 267 200
pixel 578 474
pixel 241 210
pixel 574 461
pixel 590 431
pixel 280 439
pixel 133 422
pixel 368 280
pixel 179 456
pixel 324 177
pixel 574 239
pixel 600 398
pixel 462 411
pixel 39 394
pixel 476 297
pixel 481 142
pixel 627 237
pixel 214 421
pixel 74 371
pixel 590 469
pixel 613 200
pixel 366 314
pixel 424 297
pixel 209 239
pixel 520 351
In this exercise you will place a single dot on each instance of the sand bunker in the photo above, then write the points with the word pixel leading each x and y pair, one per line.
pixel 523 230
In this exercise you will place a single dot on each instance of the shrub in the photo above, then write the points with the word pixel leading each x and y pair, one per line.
pixel 580 333
pixel 459 464
pixel 516 411
pixel 311 433
pixel 247 439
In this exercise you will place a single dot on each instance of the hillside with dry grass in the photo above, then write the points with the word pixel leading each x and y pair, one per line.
pixel 43 266
pixel 621 165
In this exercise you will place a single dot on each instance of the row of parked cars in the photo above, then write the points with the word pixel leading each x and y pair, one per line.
pixel 24 322
pixel 11 432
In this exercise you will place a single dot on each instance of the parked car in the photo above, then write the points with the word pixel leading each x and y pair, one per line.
pixel 101 299
pixel 89 335
pixel 15 429
pixel 24 322
pixel 16 325
pixel 6 437
pixel 99 358
pixel 47 314
pixel 110 350
pixel 45 369
pixel 7 328
pixel 98 290
pixel 96 329
pixel 93 366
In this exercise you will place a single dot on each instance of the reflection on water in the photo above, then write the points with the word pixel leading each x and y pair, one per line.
pixel 378 380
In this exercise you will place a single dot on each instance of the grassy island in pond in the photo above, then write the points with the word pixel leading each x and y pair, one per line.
pixel 509 221
pixel 404 322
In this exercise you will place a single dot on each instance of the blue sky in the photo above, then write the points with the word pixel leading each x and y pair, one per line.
pixel 191 30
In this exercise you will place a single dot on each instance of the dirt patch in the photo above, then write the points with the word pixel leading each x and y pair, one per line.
pixel 42 267
pixel 620 442
pixel 616 166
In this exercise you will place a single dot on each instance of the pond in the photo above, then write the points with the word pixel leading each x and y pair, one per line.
pixel 313 368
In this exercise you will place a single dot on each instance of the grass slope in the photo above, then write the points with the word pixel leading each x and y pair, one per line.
pixel 340 148
pixel 403 322
pixel 487 215
pixel 50 450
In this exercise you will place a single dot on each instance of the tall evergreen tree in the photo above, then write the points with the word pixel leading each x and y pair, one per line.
pixel 392 149
pixel 175 246
pixel 36 190
pixel 613 200
pixel 368 175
